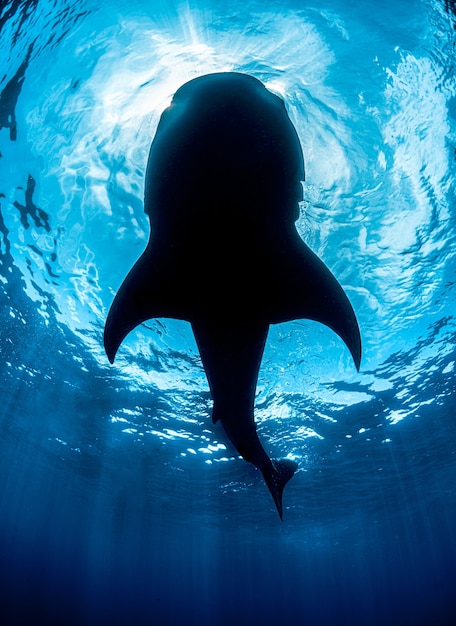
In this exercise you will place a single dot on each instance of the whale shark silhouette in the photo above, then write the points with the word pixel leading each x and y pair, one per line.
pixel 222 192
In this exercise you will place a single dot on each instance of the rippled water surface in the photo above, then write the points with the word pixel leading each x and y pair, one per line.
pixel 120 502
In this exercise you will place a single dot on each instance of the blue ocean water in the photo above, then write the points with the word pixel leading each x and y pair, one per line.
pixel 120 502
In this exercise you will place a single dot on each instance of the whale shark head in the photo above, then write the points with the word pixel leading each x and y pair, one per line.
pixel 226 151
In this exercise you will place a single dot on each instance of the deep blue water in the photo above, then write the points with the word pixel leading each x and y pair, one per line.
pixel 120 502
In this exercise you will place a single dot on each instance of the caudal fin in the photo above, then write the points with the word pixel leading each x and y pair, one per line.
pixel 276 477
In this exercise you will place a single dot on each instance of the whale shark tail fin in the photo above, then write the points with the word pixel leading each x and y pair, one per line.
pixel 276 477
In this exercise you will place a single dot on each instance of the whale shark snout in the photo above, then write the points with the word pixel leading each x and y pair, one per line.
pixel 222 192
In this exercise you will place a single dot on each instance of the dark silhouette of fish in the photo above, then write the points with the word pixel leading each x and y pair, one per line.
pixel 222 191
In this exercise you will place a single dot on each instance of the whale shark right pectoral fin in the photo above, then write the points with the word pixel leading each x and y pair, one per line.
pixel 307 289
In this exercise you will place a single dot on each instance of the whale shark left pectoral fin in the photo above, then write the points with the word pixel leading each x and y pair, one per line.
pixel 148 291
pixel 127 311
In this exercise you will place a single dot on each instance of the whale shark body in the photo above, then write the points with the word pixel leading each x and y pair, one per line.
pixel 222 192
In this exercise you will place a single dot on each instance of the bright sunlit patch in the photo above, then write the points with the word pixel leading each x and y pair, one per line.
pixel 99 135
